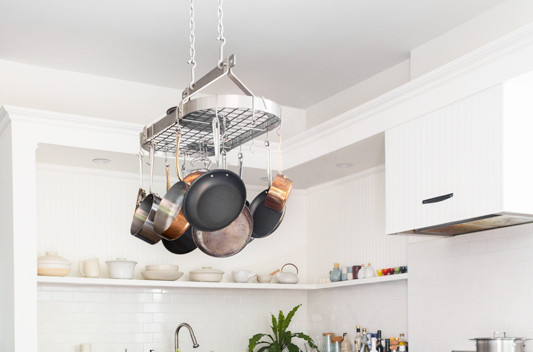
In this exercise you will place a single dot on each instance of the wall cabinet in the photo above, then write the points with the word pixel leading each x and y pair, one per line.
pixel 463 161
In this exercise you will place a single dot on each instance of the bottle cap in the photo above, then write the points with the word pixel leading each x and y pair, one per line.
pixel 336 265
pixel 328 334
pixel 379 334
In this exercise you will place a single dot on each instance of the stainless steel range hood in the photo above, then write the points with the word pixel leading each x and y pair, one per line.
pixel 481 223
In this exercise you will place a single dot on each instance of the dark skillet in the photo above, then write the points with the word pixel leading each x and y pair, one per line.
pixel 214 200
pixel 266 220
pixel 183 245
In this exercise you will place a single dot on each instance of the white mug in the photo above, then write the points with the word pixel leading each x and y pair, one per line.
pixel 90 268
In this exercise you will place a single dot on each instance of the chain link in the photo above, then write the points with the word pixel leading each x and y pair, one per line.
pixel 221 37
pixel 192 40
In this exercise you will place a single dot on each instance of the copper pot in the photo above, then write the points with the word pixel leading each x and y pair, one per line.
pixel 278 193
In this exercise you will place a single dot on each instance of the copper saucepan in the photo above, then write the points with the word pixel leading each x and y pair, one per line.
pixel 280 189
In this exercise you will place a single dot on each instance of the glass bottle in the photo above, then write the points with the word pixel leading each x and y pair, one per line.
pixel 346 346
pixel 379 346
pixel 358 339
pixel 374 343
pixel 387 345
pixel 402 341
pixel 364 345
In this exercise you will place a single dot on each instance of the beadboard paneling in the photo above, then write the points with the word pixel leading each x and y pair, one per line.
pixel 346 224
pixel 86 213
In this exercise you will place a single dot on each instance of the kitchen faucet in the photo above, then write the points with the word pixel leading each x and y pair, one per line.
pixel 193 338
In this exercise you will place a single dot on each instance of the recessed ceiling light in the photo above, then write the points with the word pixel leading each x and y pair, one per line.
pixel 344 165
pixel 101 161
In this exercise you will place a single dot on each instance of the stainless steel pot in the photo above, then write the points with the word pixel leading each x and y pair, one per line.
pixel 500 343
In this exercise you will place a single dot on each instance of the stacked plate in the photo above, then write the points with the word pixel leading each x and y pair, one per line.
pixel 165 272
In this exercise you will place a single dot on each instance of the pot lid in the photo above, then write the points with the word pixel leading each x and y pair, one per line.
pixel 207 270
pixel 51 257
pixel 497 336
pixel 120 260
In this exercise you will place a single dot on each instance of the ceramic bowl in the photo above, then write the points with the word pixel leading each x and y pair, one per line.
pixel 52 265
pixel 121 268
pixel 206 274
pixel 162 267
pixel 264 278
pixel 164 275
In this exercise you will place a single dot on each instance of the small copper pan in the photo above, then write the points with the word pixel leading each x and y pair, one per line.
pixel 280 188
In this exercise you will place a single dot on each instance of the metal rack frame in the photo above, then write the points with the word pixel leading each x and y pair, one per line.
pixel 242 118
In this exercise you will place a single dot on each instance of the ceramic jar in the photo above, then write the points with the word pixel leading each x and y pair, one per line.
pixel 52 265
pixel 336 273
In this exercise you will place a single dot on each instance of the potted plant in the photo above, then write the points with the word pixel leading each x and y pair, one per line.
pixel 281 338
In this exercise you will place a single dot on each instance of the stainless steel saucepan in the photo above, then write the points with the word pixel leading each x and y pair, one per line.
pixel 142 225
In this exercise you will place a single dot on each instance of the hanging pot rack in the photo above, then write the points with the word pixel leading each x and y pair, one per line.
pixel 242 117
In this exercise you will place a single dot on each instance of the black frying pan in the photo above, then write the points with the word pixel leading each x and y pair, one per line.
pixel 214 200
pixel 183 245
pixel 266 220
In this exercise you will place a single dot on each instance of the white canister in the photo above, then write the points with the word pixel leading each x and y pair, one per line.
pixel 90 268
pixel 52 265
pixel 121 268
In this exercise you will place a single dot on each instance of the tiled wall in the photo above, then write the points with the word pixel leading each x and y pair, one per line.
pixel 380 306
pixel 470 286
pixel 113 319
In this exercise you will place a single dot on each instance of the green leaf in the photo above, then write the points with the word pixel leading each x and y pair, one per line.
pixel 274 326
pixel 275 347
pixel 253 341
pixel 281 329
pixel 264 348
pixel 289 317
pixel 293 348
pixel 305 337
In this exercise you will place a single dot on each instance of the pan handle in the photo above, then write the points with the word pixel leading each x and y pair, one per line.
pixel 151 168
pixel 240 164
pixel 216 137
pixel 176 160
pixel 269 167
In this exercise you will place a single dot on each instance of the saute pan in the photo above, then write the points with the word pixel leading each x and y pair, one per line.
pixel 215 199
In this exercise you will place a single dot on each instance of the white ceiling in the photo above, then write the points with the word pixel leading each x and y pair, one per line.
pixel 295 52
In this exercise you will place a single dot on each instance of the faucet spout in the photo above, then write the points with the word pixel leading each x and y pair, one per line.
pixel 193 338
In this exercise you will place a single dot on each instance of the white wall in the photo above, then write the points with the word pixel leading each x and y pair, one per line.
pixel 358 94
pixel 471 35
pixel 470 286
pixel 97 96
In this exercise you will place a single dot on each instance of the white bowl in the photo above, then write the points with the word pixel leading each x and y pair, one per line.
pixel 121 268
pixel 206 274
pixel 264 278
pixel 162 267
pixel 164 275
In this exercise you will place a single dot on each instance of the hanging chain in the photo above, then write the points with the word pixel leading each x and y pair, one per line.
pixel 221 37
pixel 192 40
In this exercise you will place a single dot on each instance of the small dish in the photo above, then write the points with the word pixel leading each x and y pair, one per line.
pixel 163 275
pixel 52 265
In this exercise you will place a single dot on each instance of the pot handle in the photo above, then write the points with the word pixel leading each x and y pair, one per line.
pixel 499 334
pixel 292 265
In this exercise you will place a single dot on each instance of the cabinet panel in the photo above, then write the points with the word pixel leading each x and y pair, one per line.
pixel 454 152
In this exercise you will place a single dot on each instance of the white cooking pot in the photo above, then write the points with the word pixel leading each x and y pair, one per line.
pixel 500 343
pixel 121 268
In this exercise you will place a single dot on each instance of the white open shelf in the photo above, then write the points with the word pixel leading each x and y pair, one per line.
pixel 81 281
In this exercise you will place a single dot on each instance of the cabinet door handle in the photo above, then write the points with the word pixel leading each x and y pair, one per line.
pixel 437 199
